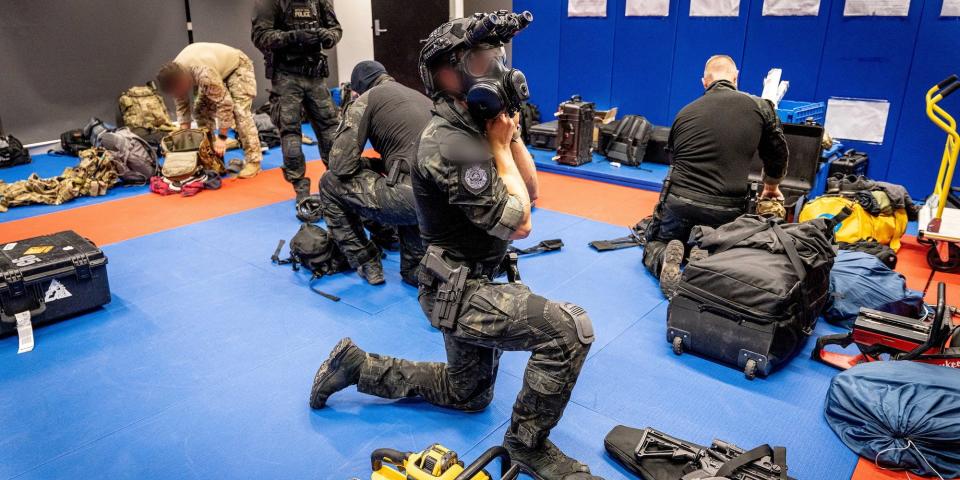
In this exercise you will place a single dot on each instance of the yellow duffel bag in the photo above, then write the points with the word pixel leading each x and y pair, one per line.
pixel 861 225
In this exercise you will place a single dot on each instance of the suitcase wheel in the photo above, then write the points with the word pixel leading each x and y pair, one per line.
pixel 750 369
pixel 678 345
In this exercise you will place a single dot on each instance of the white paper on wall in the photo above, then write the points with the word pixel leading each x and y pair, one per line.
pixel 791 8
pixel 648 8
pixel 951 8
pixel 587 8
pixel 878 8
pixel 714 8
pixel 857 119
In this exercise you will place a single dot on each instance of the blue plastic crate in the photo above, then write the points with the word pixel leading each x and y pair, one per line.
pixel 799 112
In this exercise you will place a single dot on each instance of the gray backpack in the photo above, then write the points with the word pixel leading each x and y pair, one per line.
pixel 136 161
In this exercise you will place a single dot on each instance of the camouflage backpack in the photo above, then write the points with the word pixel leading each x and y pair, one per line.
pixel 142 107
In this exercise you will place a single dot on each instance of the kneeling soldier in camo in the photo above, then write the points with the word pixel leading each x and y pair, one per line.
pixel 391 116
pixel 474 182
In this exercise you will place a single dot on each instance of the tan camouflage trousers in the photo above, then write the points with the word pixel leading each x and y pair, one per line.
pixel 242 87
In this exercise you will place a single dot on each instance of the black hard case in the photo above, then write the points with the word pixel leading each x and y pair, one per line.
pixel 575 132
pixel 851 163
pixel 544 135
pixel 28 269
pixel 806 144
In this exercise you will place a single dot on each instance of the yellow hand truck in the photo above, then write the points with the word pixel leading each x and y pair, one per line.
pixel 939 226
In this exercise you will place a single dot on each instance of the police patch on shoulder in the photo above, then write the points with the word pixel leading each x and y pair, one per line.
pixel 476 179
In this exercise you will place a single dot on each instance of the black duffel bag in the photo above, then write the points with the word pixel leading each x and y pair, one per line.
pixel 12 152
pixel 756 298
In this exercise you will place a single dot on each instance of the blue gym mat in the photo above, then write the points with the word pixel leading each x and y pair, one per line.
pixel 202 364
pixel 49 165
pixel 648 176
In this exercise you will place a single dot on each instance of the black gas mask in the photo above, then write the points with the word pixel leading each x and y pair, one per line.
pixel 491 86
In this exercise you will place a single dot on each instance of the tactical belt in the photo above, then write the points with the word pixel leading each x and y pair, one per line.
pixel 729 202
pixel 449 279
pixel 320 70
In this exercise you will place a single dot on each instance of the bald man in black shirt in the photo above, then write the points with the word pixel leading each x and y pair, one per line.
pixel 713 141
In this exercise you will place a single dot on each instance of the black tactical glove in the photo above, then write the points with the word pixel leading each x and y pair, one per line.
pixel 304 38
pixel 327 38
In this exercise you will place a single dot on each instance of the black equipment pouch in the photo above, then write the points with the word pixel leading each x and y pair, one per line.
pixel 509 265
pixel 450 282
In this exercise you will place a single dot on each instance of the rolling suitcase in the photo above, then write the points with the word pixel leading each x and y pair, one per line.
pixel 755 299
pixel 575 132
pixel 49 278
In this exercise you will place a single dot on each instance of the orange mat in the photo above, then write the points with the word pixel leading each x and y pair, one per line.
pixel 123 219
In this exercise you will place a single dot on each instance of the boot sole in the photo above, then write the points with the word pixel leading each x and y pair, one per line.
pixel 670 275
pixel 317 399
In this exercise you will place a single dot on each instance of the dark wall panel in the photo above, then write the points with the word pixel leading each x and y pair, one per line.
pixel 63 68
pixel 229 22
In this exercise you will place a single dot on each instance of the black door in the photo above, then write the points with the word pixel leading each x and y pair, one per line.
pixel 399 28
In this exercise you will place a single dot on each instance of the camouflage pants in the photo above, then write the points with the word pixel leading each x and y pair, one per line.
pixel 674 219
pixel 366 195
pixel 293 95
pixel 242 86
pixel 495 317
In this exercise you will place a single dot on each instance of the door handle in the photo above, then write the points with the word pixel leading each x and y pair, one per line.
pixel 376 28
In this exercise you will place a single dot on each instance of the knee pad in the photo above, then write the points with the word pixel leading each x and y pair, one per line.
pixel 291 146
pixel 579 319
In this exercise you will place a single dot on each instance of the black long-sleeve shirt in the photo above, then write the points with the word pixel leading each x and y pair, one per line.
pixel 392 117
pixel 713 141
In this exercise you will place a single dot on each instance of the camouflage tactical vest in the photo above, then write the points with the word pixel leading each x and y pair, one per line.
pixel 142 107
pixel 93 176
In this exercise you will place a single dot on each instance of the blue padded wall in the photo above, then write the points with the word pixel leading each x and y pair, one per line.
pixel 919 144
pixel 644 47
pixel 870 57
pixel 652 65
pixel 697 39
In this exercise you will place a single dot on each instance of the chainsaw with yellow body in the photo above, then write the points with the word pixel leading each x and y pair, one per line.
pixel 437 463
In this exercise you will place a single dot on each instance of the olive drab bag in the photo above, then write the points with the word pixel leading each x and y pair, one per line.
pixel 188 151
pixel 141 107
pixel 135 159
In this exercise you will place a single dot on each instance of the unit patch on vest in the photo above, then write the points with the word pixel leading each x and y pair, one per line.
pixel 476 179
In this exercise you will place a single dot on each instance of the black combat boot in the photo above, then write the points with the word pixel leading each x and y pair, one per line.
pixel 670 271
pixel 546 462
pixel 339 371
pixel 372 272
pixel 302 188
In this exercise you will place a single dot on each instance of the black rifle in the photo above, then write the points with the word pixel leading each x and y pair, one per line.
pixel 722 459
